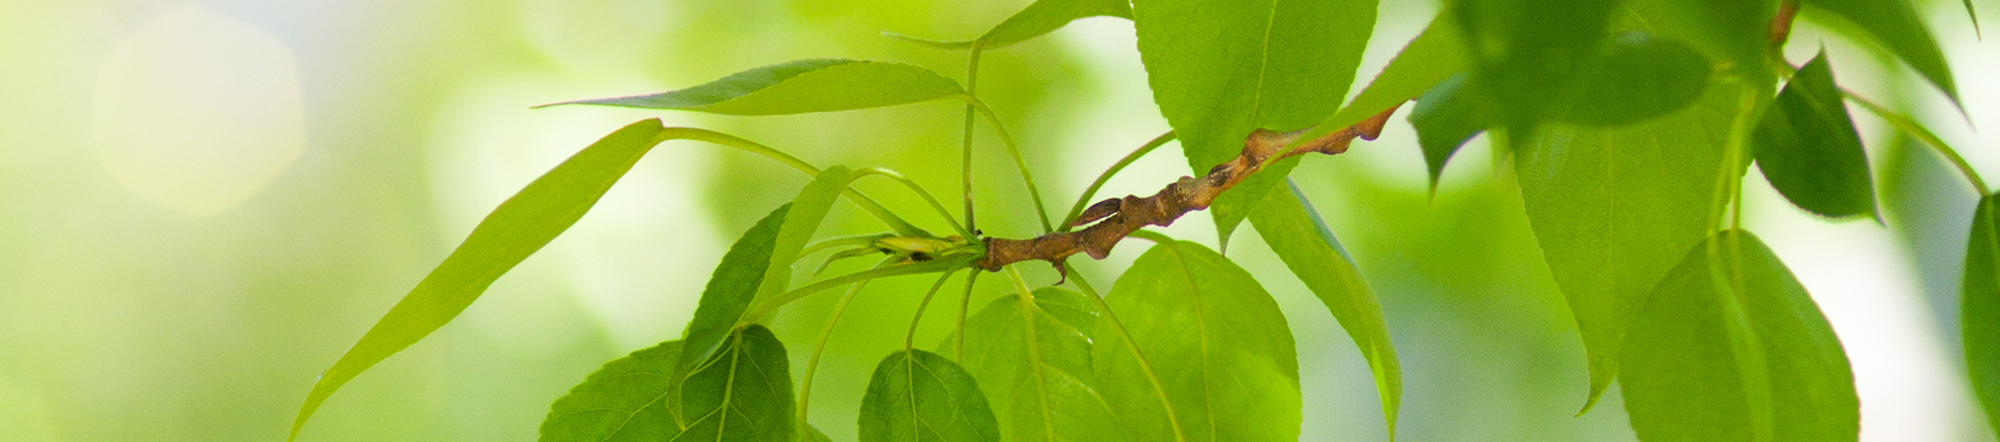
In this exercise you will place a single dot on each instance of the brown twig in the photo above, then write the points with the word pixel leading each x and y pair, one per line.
pixel 1781 24
pixel 1116 218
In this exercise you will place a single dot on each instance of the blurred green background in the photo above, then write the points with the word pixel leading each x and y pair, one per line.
pixel 203 203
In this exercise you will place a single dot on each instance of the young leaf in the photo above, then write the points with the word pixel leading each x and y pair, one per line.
pixel 808 210
pixel 1640 77
pixel 1808 149
pixel 1221 69
pixel 1613 207
pixel 1435 55
pixel 1290 225
pixel 1445 118
pixel 744 393
pixel 624 401
pixel 1730 347
pixel 730 290
pixel 516 229
pixel 1896 25
pixel 820 85
pixel 1039 380
pixel 1218 342
pixel 1040 17
pixel 917 395
pixel 1979 311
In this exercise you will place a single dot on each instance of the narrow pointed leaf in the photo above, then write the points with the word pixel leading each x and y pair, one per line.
pixel 1221 69
pixel 1217 341
pixel 743 394
pixel 1808 148
pixel 1445 118
pixel 1040 17
pixel 516 229
pixel 1731 348
pixel 1895 25
pixel 819 85
pixel 917 395
pixel 624 401
pixel 1293 229
pixel 1979 311
pixel 808 211
pixel 1640 77
pixel 1039 381
pixel 1614 207
pixel 1432 57
pixel 730 290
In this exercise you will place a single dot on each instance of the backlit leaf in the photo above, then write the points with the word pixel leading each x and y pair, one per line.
pixel 743 394
pixel 1979 310
pixel 1640 77
pixel 624 401
pixel 1528 54
pixel 1895 25
pixel 1445 118
pixel 917 395
pixel 1040 17
pixel 820 85
pixel 1434 56
pixel 1730 347
pixel 1217 341
pixel 1039 381
pixel 1808 148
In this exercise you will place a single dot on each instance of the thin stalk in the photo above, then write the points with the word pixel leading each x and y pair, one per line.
pixel 958 332
pixel 1019 163
pixel 965 162
pixel 1910 126
pixel 894 222
pixel 1155 237
pixel 1088 192
pixel 1145 365
pixel 861 240
pixel 942 213
pixel 1739 129
pixel 825 334
pixel 909 340
pixel 1026 300
pixel 759 311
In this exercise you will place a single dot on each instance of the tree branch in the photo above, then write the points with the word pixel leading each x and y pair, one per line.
pixel 1116 218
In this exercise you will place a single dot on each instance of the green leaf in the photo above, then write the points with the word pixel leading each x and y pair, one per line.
pixel 1217 340
pixel 624 401
pixel 1895 25
pixel 744 393
pixel 820 85
pixel 1640 77
pixel 1529 54
pixel 1731 348
pixel 1039 380
pixel 1614 207
pixel 1289 224
pixel 1808 148
pixel 1040 17
pixel 1432 57
pixel 1221 69
pixel 1734 30
pixel 730 290
pixel 917 395
pixel 814 435
pixel 1979 312
pixel 516 229
pixel 808 211
pixel 1445 118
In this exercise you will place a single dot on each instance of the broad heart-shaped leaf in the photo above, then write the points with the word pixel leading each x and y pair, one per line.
pixel 1808 149
pixel 1218 342
pixel 1445 118
pixel 1730 347
pixel 1040 17
pixel 1640 77
pixel 1293 229
pixel 1614 207
pixel 1979 307
pixel 624 401
pixel 917 395
pixel 1221 69
pixel 1432 57
pixel 820 85
pixel 1039 380
pixel 1895 25
pixel 744 393
pixel 516 229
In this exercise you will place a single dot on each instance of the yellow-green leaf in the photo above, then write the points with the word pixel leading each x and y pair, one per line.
pixel 1039 380
pixel 1895 25
pixel 624 401
pixel 820 85
pixel 1040 17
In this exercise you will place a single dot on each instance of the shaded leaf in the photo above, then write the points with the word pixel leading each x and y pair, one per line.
pixel 1614 207
pixel 1293 229
pixel 1217 341
pixel 917 395
pixel 1040 17
pixel 730 290
pixel 744 393
pixel 1731 348
pixel 516 229
pixel 624 401
pixel 1221 69
pixel 1808 148
pixel 1979 311
pixel 1528 54
pixel 1895 25
pixel 803 86
pixel 1445 118
pixel 1640 77
pixel 1733 30
pixel 1039 381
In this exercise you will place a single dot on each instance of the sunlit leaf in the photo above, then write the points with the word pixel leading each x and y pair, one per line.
pixel 1293 229
pixel 1217 341
pixel 1221 69
pixel 1040 17
pixel 1895 25
pixel 1808 148
pixel 516 229
pixel 624 401
pixel 803 86
pixel 1432 57
pixel 1040 381
pixel 743 393
pixel 1730 347
pixel 1979 311
pixel 1614 207
pixel 917 395
pixel 1445 118
pixel 1640 77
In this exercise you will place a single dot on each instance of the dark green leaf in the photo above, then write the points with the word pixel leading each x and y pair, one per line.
pixel 1640 77
pixel 730 290
pixel 1293 229
pixel 1217 341
pixel 1221 69
pixel 1040 381
pixel 1529 54
pixel 1445 118
pixel 1614 207
pixel 516 229
pixel 917 395
pixel 743 394
pixel 1733 30
pixel 808 211
pixel 1041 17
pixel 1434 56
pixel 1895 25
pixel 813 434
pixel 1980 308
pixel 803 86
pixel 624 401
pixel 1808 149
pixel 1730 347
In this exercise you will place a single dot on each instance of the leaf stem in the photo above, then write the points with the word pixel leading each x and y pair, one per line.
pixel 1732 159
pixel 894 222
pixel 860 240
pixel 1911 127
pixel 1021 164
pixel 910 339
pixel 760 310
pixel 1084 200
pixel 958 332
pixel 942 213
pixel 965 161
pixel 825 334
pixel 1145 366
